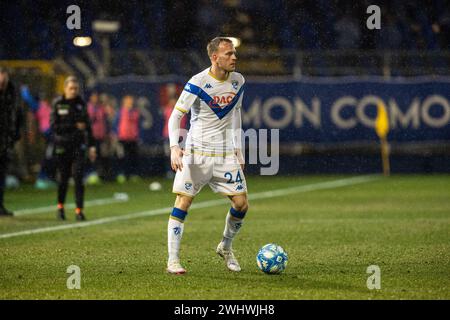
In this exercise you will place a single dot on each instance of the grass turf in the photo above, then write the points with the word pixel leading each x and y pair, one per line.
pixel 401 224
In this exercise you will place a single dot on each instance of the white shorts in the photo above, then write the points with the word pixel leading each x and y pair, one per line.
pixel 223 174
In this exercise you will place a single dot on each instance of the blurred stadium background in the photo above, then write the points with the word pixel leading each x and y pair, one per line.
pixel 315 72
pixel 313 69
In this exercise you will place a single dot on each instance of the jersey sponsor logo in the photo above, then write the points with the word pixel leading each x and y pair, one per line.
pixel 208 86
pixel 63 112
pixel 222 101
pixel 220 110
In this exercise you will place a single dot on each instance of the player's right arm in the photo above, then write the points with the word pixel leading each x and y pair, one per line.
pixel 183 105
pixel 176 153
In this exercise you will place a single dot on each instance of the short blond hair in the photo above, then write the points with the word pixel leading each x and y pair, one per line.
pixel 214 44
pixel 70 79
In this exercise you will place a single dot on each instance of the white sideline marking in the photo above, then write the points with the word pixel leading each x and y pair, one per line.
pixel 205 204
pixel 89 203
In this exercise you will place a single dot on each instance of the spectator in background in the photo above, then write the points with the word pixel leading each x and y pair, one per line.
pixel 42 111
pixel 110 109
pixel 10 122
pixel 127 130
pixel 100 132
pixel 441 27
pixel 110 145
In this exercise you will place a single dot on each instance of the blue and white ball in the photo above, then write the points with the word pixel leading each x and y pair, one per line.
pixel 272 259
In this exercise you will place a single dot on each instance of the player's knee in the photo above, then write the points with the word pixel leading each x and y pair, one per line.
pixel 240 203
pixel 183 202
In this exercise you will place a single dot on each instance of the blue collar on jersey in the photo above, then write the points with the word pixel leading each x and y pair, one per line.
pixel 206 98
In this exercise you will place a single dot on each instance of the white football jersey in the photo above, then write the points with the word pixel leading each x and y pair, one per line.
pixel 212 103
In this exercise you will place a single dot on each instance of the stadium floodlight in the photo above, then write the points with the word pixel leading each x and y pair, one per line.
pixel 236 41
pixel 104 30
pixel 105 26
pixel 82 41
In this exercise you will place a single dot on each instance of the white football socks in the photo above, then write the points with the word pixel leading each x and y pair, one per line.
pixel 174 234
pixel 232 226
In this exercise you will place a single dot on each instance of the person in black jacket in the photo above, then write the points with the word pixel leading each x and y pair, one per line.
pixel 73 139
pixel 10 118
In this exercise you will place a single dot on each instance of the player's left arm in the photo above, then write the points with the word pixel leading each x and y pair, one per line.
pixel 237 133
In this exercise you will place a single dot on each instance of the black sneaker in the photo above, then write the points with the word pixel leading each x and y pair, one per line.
pixel 61 214
pixel 80 216
pixel 5 212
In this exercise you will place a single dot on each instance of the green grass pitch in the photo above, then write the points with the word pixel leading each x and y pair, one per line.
pixel 401 224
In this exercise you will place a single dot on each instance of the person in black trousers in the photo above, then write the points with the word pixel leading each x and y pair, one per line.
pixel 74 143
pixel 10 122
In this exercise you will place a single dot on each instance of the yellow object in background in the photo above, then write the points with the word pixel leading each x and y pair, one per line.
pixel 382 121
pixel 382 129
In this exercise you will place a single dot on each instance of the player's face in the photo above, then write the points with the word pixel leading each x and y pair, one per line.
pixel 71 90
pixel 128 102
pixel 94 98
pixel 226 57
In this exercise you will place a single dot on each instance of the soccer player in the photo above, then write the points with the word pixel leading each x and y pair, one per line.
pixel 212 153
pixel 72 132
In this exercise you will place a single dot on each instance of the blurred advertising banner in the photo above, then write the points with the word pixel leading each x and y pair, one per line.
pixel 313 110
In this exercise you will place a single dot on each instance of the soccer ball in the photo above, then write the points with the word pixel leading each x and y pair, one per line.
pixel 155 186
pixel 272 259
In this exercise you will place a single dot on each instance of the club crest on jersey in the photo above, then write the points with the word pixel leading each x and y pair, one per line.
pixel 222 101
pixel 176 231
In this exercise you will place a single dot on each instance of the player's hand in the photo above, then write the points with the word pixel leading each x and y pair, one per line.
pixel 240 158
pixel 80 125
pixel 176 158
pixel 92 154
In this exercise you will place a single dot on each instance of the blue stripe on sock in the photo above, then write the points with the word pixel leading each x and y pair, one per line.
pixel 178 213
pixel 237 214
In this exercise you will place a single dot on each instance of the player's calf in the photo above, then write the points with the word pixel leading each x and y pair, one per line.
pixel 183 202
pixel 175 229
pixel 233 224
